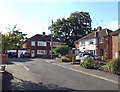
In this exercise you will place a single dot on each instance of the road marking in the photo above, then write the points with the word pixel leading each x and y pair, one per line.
pixel 110 80
pixel 25 67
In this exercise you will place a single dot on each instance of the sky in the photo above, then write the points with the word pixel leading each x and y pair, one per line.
pixel 34 16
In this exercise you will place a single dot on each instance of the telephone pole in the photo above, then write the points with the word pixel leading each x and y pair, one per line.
pixel 52 41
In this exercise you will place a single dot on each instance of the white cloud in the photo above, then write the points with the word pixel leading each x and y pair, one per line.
pixel 113 25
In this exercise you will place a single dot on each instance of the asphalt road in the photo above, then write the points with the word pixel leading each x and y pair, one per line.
pixel 37 74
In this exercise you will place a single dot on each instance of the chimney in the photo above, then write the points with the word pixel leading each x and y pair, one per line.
pixel 99 28
pixel 43 33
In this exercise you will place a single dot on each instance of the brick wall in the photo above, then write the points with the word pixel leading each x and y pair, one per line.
pixel 105 45
pixel 35 48
pixel 114 45
pixel 3 58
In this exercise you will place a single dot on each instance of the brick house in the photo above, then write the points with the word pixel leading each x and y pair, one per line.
pixel 115 43
pixel 40 45
pixel 104 42
pixel 98 43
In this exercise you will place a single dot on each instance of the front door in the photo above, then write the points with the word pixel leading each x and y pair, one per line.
pixel 32 53
pixel 101 52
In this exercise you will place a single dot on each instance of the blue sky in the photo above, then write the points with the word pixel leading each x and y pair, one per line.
pixel 34 16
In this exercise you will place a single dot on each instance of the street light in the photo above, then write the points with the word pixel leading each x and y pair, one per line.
pixel 52 41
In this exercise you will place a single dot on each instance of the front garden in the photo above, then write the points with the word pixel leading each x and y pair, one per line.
pixel 112 66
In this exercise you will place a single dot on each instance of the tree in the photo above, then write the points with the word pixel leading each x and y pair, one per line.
pixel 73 28
pixel 62 49
pixel 13 38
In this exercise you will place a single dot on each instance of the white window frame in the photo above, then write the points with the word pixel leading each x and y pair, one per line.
pixel 41 43
pixel 82 43
pixel 116 54
pixel 32 43
pixel 102 40
pixel 91 41
pixel 40 52
pixel 105 51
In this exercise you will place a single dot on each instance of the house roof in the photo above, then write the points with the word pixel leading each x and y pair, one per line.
pixel 103 32
pixel 115 32
pixel 39 37
pixel 89 36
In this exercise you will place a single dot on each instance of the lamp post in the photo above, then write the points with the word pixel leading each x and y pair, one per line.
pixel 52 41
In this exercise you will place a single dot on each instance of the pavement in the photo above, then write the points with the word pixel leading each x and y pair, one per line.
pixel 46 74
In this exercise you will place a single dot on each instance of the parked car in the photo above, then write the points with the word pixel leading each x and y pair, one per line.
pixel 83 56
pixel 12 54
pixel 25 54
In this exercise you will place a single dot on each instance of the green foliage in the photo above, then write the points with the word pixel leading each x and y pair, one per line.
pixel 105 58
pixel 91 64
pixel 113 66
pixel 65 59
pixel 73 28
pixel 68 58
pixel 62 49
pixel 12 39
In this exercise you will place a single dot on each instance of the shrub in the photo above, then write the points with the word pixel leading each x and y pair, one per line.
pixel 65 59
pixel 68 58
pixel 113 66
pixel 105 58
pixel 90 63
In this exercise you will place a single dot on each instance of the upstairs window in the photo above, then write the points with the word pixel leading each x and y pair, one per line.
pixel 40 43
pixel 101 39
pixel 91 41
pixel 119 37
pixel 83 43
pixel 32 43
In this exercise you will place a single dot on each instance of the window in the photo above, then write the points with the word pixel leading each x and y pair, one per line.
pixel 105 51
pixel 101 39
pixel 83 43
pixel 54 44
pixel 115 54
pixel 79 43
pixel 40 43
pixel 119 37
pixel 91 41
pixel 43 52
pixel 32 43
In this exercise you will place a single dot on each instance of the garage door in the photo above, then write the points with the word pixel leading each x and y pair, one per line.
pixel 19 52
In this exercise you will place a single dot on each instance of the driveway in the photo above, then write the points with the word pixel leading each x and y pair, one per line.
pixel 44 74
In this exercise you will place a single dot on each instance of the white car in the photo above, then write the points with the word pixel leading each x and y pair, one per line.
pixel 82 56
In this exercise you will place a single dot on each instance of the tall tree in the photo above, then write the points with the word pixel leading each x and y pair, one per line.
pixel 13 38
pixel 73 28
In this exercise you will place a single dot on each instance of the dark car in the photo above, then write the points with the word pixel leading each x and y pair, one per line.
pixel 12 54
pixel 25 54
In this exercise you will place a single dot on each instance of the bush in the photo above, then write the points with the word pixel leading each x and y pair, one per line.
pixel 90 63
pixel 65 59
pixel 68 58
pixel 113 66
pixel 105 58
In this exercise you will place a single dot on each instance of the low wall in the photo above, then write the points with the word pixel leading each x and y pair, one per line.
pixel 4 58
